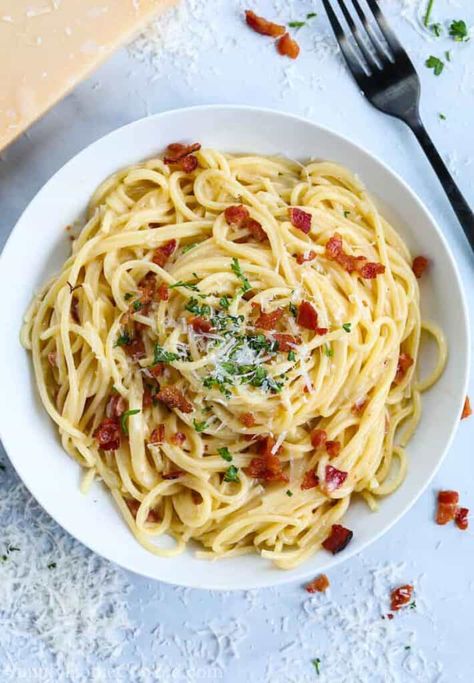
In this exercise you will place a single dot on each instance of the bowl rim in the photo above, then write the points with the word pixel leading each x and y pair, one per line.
pixel 304 570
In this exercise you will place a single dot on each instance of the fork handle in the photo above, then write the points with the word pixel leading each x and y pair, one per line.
pixel 460 206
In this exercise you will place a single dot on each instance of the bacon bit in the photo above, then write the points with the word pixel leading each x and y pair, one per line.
pixel 405 362
pixel 400 596
pixel 157 370
pixel 359 406
pixel 318 438
pixel 333 448
pixel 174 398
pixel 308 317
pixel 447 506
pixel 255 229
pixel 419 265
pixel 158 434
pixel 133 506
pixel 267 321
pixel 267 465
pixel 172 475
pixel 75 310
pixel 467 410
pixel 306 256
pixel 163 253
pixel 247 419
pixel 115 406
pixel 300 219
pixel 236 215
pixel 389 616
pixel 53 359
pixel 200 325
pixel 318 585
pixel 188 164
pixel 310 480
pixel 147 288
pixel 108 434
pixel 163 293
pixel 262 26
pixel 461 518
pixel 177 151
pixel 286 342
pixel 178 438
pixel 136 348
pixel 288 47
pixel 334 478
pixel 338 539
pixel 366 269
pixel 147 399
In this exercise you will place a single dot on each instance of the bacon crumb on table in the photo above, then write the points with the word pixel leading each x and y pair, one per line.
pixel 462 518
pixel 447 506
pixel 263 26
pixel 318 585
pixel 467 410
pixel 288 47
pixel 400 597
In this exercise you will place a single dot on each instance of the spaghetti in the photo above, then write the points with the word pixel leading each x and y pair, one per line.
pixel 231 348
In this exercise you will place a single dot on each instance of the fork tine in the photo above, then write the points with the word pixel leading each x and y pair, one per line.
pixel 353 62
pixel 381 50
pixel 369 58
pixel 385 29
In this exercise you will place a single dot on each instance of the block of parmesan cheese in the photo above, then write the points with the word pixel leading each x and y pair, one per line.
pixel 48 46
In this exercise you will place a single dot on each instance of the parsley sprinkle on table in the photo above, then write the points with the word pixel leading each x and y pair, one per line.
pixel 317 664
pixel 52 565
pixel 442 116
pixel 458 30
pixel 429 9
pixel 437 29
pixel 436 64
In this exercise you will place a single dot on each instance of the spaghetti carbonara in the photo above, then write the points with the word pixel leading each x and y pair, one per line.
pixel 231 348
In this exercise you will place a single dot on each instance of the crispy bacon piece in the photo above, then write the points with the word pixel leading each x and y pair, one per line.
pixel 462 518
pixel 300 219
pixel 158 434
pixel 178 438
pixel 305 256
pixel 318 438
pixel 262 26
pixel 163 293
pixel 366 269
pixel 288 47
pixel 286 342
pixel 267 321
pixel 333 448
pixel 133 506
pixel 177 151
pixel 338 539
pixel 247 419
pixel 136 348
pixel 175 474
pixel 236 215
pixel 157 370
pixel 318 585
pixel 200 325
pixel 163 253
pixel 334 478
pixel 115 406
pixel 147 398
pixel 147 286
pixel 266 466
pixel 75 310
pixel 255 229
pixel 108 434
pixel 419 265
pixel 447 506
pixel 174 398
pixel 53 359
pixel 400 597
pixel 308 317
pixel 359 406
pixel 466 411
pixel 310 480
pixel 188 164
pixel 405 361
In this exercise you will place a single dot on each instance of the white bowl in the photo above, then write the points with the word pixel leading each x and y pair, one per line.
pixel 39 245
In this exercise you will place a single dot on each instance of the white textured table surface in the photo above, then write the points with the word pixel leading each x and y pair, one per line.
pixel 66 615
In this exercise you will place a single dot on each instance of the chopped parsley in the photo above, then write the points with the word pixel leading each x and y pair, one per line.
pixel 299 24
pixel 436 64
pixel 124 419
pixel 437 29
pixel 162 356
pixel 12 548
pixel 224 302
pixel 407 647
pixel 317 665
pixel 199 426
pixel 447 54
pixel 137 305
pixel 347 213
pixel 237 270
pixel 293 310
pixel 458 30
pixel 123 339
pixel 193 307
pixel 225 453
pixel 412 605
pixel 211 382
pixel 346 327
pixel 442 116
pixel 291 356
pixel 2 467
pixel 188 285
pixel 188 247
pixel 52 565
pixel 231 474
pixel 427 16
pixel 328 351
pixel 289 493
pixel 128 296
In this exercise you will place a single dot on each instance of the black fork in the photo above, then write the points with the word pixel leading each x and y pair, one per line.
pixel 388 79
